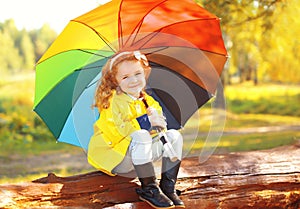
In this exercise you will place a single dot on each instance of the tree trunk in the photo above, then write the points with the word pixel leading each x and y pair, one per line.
pixel 257 179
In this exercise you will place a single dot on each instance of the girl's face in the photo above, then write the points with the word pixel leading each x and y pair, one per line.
pixel 131 77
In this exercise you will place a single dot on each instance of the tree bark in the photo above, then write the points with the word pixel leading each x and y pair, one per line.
pixel 257 179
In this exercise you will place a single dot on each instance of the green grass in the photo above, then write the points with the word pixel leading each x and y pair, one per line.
pixel 264 99
pixel 207 119
pixel 242 142
pixel 27 148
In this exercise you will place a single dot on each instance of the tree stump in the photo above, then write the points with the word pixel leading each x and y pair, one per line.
pixel 256 179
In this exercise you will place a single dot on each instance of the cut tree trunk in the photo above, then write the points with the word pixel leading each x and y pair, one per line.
pixel 256 179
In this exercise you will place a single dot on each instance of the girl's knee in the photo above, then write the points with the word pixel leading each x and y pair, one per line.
pixel 175 135
pixel 141 136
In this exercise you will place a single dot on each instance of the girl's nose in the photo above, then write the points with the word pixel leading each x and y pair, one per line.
pixel 133 79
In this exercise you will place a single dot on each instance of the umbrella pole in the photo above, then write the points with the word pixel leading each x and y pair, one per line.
pixel 163 137
pixel 168 146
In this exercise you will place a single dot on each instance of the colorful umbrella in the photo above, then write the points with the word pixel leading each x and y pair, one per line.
pixel 182 41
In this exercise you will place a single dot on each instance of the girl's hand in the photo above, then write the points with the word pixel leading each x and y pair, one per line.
pixel 156 119
pixel 151 111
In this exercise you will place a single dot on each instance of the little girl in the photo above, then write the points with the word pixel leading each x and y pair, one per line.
pixel 124 139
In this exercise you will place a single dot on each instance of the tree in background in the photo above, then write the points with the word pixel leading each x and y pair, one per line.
pixel 42 39
pixel 281 44
pixel 26 51
pixel 20 50
pixel 10 59
pixel 264 37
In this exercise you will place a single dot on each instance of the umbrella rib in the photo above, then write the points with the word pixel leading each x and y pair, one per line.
pixel 100 36
pixel 99 55
pixel 138 26
pixel 184 22
pixel 157 50
pixel 151 34
pixel 70 111
pixel 120 26
pixel 91 84
pixel 88 68
pixel 74 50
pixel 159 30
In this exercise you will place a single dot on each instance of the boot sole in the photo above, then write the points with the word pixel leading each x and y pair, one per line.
pixel 154 206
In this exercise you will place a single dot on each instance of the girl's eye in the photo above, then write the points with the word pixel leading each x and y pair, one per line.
pixel 139 73
pixel 125 77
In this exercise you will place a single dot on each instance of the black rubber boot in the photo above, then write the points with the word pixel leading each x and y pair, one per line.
pixel 168 180
pixel 150 191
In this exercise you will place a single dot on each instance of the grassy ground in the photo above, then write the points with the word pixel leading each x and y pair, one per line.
pixel 28 150
pixel 239 132
pixel 264 99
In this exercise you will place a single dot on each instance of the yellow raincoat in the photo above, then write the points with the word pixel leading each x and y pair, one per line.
pixel 111 139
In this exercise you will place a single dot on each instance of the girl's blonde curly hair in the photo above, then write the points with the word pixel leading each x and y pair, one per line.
pixel 108 81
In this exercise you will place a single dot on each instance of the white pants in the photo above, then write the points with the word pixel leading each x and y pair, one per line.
pixel 144 149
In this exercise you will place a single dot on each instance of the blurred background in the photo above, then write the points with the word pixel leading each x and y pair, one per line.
pixel 260 89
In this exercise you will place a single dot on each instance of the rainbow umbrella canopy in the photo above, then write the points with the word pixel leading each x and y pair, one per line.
pixel 182 41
